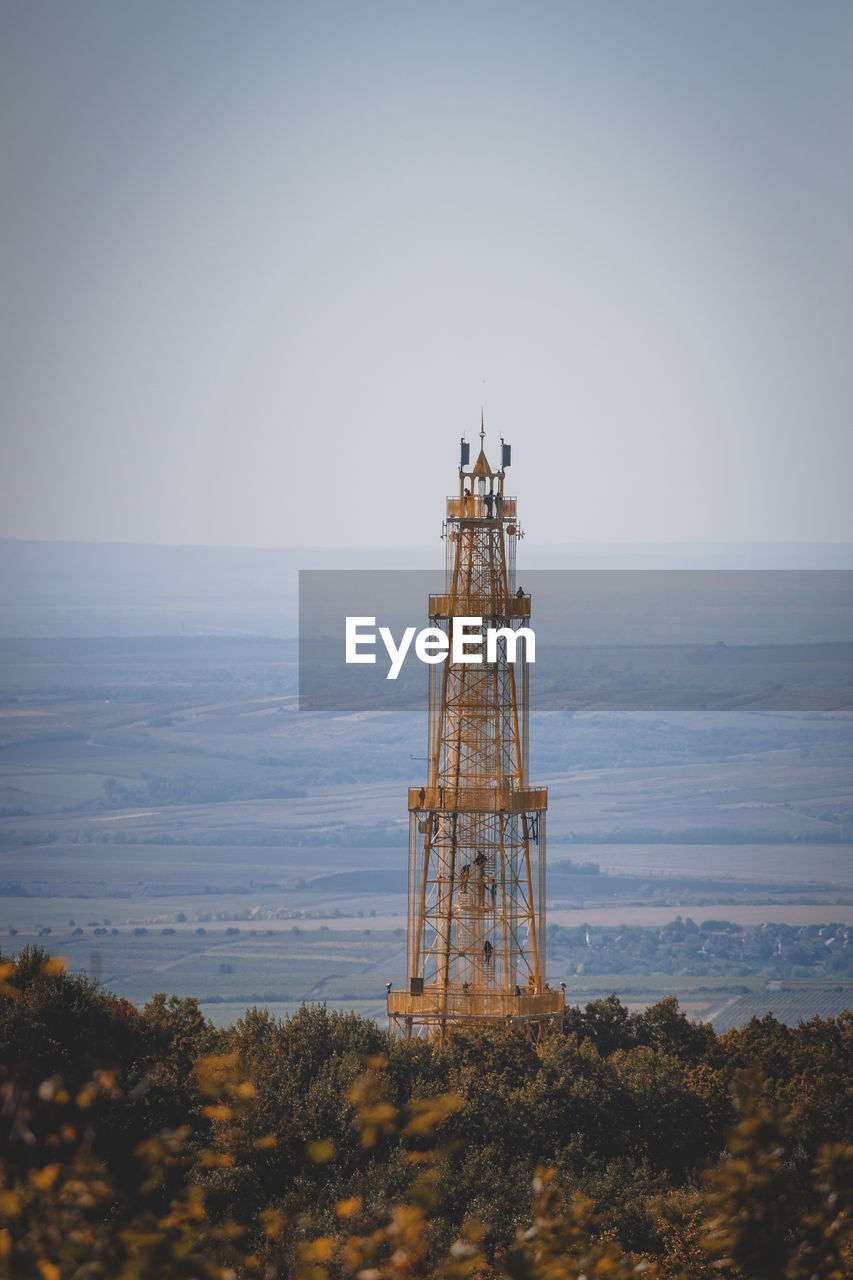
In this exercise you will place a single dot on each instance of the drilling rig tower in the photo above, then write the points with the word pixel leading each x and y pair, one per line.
pixel 476 921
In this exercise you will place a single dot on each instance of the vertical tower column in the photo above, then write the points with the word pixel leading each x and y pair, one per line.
pixel 476 936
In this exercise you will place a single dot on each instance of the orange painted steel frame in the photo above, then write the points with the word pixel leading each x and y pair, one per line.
pixel 476 927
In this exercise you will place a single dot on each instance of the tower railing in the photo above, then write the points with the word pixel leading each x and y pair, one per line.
pixel 475 507
pixel 478 799
pixel 481 606
pixel 459 1005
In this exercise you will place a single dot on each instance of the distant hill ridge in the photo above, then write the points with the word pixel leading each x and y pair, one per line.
pixel 122 589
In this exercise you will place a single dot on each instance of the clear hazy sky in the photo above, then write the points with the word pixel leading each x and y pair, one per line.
pixel 263 262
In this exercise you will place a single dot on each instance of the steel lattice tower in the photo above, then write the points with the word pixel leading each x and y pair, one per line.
pixel 476 927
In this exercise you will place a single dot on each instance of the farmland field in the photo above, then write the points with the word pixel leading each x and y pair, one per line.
pixel 170 784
